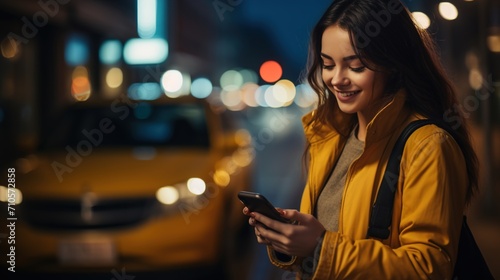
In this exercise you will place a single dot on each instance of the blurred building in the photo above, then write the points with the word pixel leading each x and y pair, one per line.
pixel 46 44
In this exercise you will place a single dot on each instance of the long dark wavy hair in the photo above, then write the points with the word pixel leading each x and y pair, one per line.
pixel 385 38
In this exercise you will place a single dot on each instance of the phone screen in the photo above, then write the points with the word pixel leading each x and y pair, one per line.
pixel 256 202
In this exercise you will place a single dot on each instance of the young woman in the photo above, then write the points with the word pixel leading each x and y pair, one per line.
pixel 374 71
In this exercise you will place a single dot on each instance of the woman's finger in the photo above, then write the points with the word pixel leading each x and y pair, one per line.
pixel 260 239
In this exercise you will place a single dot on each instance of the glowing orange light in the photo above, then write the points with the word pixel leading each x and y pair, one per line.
pixel 270 71
pixel 80 88
pixel 9 48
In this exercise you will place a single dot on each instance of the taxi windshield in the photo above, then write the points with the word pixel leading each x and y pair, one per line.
pixel 144 124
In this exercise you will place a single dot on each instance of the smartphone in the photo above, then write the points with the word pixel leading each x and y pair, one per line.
pixel 256 202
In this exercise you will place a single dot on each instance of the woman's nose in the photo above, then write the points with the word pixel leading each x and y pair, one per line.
pixel 339 79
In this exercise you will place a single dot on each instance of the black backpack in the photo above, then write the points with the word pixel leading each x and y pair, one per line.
pixel 470 262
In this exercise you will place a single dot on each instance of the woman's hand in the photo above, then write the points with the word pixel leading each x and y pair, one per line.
pixel 295 240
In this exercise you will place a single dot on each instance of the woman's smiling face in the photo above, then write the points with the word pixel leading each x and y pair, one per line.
pixel 356 88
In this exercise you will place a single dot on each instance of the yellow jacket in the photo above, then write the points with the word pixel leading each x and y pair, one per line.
pixel 428 206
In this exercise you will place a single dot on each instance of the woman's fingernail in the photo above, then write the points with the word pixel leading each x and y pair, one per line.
pixel 252 215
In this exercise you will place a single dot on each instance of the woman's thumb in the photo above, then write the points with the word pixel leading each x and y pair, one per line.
pixel 290 214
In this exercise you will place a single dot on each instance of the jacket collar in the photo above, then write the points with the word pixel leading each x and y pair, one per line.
pixel 389 119
pixel 385 122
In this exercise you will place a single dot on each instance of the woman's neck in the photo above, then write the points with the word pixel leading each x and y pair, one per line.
pixel 361 133
pixel 365 117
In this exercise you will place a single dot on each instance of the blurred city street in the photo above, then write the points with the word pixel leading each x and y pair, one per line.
pixel 279 172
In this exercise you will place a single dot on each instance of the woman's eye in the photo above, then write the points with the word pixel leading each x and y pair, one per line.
pixel 328 67
pixel 358 69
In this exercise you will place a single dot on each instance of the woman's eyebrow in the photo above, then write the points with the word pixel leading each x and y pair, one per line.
pixel 351 57
pixel 326 56
pixel 347 58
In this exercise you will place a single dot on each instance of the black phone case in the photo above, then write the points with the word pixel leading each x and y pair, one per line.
pixel 258 203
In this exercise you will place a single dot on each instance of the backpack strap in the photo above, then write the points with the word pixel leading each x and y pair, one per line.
pixel 381 214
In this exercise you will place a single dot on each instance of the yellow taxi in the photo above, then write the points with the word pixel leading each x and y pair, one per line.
pixel 129 187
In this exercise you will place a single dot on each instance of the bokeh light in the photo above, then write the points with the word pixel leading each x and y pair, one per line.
pixel 248 91
pixel 493 41
pixel 7 196
pixel 475 79
pixel 221 178
pixel 243 157
pixel 305 97
pixel 232 99
pixel 227 164
pixel 284 91
pixel 171 81
pixel 260 97
pixel 201 88
pixel 144 91
pixel 249 76
pixel 80 88
pixel 146 18
pixel 422 19
pixel 175 83
pixel 77 50
pixel 167 195
pixel 114 77
pixel 471 60
pixel 231 80
pixel 448 11
pixel 3 193
pixel 9 48
pixel 196 186
pixel 270 98
pixel 110 52
pixel 145 51
pixel 270 71
pixel 242 137
pixel 80 84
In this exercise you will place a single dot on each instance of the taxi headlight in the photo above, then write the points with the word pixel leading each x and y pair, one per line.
pixel 190 189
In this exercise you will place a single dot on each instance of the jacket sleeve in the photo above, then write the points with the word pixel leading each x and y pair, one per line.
pixel 432 189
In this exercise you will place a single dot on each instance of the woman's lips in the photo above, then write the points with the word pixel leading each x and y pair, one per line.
pixel 346 95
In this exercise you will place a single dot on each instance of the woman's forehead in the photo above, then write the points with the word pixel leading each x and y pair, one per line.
pixel 336 43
